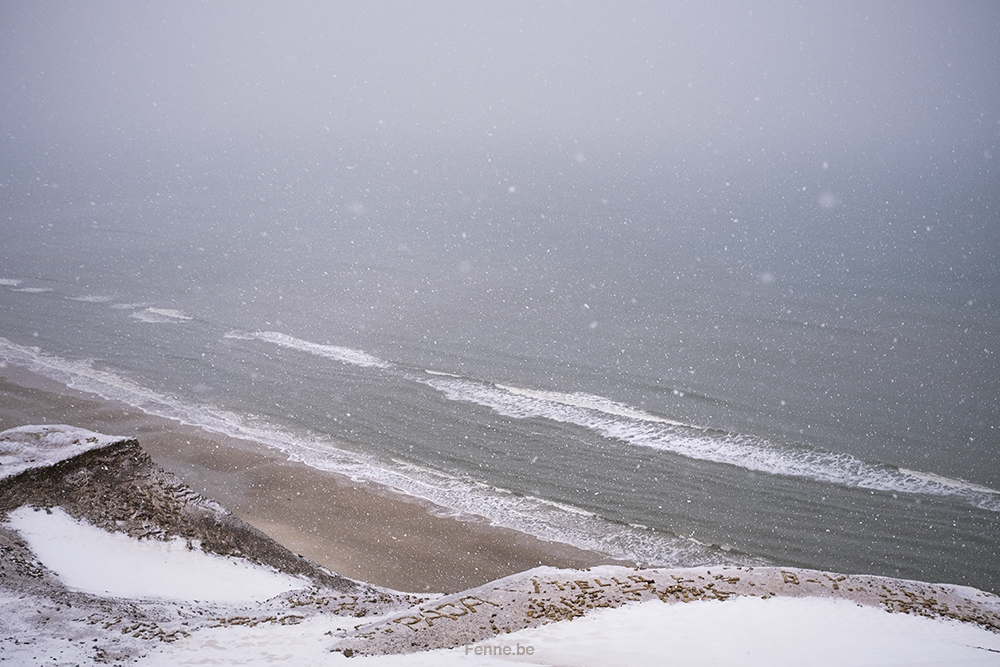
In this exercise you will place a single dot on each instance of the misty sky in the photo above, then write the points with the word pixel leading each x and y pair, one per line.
pixel 711 76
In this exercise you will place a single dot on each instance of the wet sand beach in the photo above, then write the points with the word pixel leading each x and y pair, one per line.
pixel 359 530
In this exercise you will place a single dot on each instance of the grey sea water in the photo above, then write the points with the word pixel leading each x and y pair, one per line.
pixel 790 362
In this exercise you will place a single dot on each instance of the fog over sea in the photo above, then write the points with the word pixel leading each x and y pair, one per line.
pixel 678 349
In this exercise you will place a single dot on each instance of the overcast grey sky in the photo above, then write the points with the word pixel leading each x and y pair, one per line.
pixel 729 75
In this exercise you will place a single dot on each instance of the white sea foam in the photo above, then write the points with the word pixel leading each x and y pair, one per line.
pixel 83 376
pixel 636 427
pixel 561 506
pixel 591 402
pixel 931 478
pixel 442 374
pixel 344 354
pixel 456 496
pixel 32 290
pixel 90 299
pixel 159 315
pixel 546 519
pixel 9 282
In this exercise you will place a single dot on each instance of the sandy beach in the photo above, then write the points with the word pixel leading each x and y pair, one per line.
pixel 358 530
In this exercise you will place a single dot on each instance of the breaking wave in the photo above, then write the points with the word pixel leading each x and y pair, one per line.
pixel 344 354
pixel 639 428
pixel 159 315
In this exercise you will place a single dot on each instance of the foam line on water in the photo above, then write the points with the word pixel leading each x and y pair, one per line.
pixel 592 402
pixel 130 306
pixel 90 298
pixel 344 354
pixel 159 315
pixel 638 428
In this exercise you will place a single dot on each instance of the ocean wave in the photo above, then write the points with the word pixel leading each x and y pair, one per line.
pixel 639 428
pixel 344 354
pixel 592 402
pixel 90 299
pixel 9 282
pixel 130 306
pixel 82 375
pixel 452 495
pixel 32 290
pixel 442 374
pixel 159 315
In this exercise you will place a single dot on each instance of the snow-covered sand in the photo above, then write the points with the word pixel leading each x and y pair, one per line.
pixel 738 632
pixel 30 447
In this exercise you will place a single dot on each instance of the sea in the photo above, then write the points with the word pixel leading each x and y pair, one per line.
pixel 670 359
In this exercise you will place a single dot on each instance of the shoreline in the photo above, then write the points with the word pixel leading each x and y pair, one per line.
pixel 356 529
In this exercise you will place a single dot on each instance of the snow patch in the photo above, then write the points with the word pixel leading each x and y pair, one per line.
pixel 92 560
pixel 27 447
